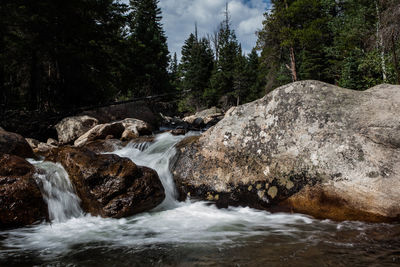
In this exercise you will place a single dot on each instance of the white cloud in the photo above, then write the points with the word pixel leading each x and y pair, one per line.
pixel 180 16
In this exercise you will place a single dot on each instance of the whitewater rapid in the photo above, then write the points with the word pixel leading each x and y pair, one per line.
pixel 170 223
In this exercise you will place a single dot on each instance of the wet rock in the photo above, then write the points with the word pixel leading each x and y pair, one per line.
pixel 173 122
pixel 39 148
pixel 306 147
pixel 69 129
pixel 43 149
pixel 129 133
pixel 202 118
pixel 21 202
pixel 126 129
pixel 108 145
pixel 52 142
pixel 179 131
pixel 108 185
pixel 101 131
pixel 140 127
pixel 33 143
pixel 14 144
pixel 135 128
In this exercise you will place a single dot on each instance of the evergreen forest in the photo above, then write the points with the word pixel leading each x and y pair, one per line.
pixel 59 55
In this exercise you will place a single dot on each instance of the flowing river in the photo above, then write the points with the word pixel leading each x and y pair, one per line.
pixel 187 233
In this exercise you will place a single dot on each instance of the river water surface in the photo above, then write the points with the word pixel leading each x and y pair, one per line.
pixel 192 233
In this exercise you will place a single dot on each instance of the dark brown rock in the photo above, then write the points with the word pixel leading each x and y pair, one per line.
pixel 178 132
pixel 21 202
pixel 14 144
pixel 108 145
pixel 108 185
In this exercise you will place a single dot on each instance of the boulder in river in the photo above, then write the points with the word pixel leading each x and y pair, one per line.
pixel 134 128
pixel 126 129
pixel 306 147
pixel 21 202
pixel 101 131
pixel 70 128
pixel 108 185
pixel 14 144
pixel 101 146
pixel 204 117
pixel 40 148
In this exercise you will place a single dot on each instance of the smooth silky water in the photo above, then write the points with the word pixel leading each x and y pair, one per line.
pixel 188 233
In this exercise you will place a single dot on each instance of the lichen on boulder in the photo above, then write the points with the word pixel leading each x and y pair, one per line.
pixel 301 148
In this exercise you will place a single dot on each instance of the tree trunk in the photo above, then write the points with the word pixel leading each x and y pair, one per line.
pixel 292 67
pixel 293 64
pixel 379 42
pixel 395 59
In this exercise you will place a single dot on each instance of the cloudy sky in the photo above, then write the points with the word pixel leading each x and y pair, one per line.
pixel 180 16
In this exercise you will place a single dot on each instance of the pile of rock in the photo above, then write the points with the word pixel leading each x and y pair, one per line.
pixel 202 120
pixel 205 118
pixel 108 185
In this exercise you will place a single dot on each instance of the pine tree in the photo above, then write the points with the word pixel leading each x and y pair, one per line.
pixel 152 51
pixel 222 80
pixel 256 82
pixel 196 64
pixel 174 73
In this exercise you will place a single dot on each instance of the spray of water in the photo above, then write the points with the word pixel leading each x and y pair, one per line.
pixel 57 191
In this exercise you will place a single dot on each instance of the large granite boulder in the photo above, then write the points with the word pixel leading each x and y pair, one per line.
pixel 14 144
pixel 108 185
pixel 69 129
pixel 307 147
pixel 21 202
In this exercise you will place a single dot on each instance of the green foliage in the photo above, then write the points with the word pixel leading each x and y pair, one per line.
pixel 343 42
pixel 61 54
pixel 151 47
pixel 197 64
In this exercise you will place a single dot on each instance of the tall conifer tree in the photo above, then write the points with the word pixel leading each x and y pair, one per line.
pixel 152 51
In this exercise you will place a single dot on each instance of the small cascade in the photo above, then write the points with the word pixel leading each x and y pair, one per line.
pixel 157 155
pixel 57 191
pixel 140 146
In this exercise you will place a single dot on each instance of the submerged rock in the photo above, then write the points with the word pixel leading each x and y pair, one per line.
pixel 21 202
pixel 108 185
pixel 14 144
pixel 306 147
pixel 69 129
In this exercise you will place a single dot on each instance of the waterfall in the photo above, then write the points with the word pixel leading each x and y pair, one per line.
pixel 157 156
pixel 57 191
